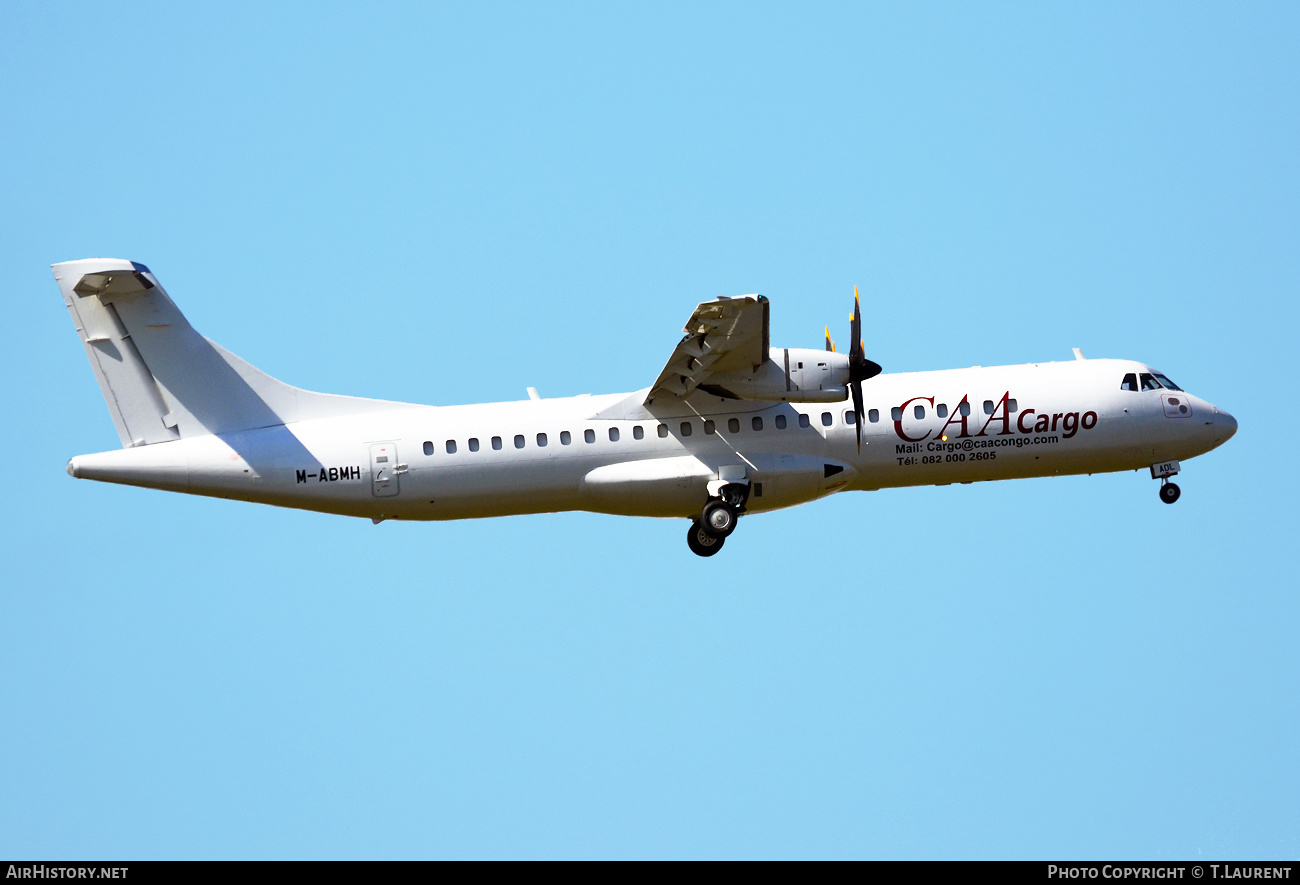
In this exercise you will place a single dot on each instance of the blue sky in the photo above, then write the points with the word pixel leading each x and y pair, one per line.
pixel 447 204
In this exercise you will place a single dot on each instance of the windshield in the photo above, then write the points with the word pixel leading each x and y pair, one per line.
pixel 1164 379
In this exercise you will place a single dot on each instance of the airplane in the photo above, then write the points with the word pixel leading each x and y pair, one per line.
pixel 731 427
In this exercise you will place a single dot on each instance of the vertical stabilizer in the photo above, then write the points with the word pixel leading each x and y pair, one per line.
pixel 134 399
pixel 161 379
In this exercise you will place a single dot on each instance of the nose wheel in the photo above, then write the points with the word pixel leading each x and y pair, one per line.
pixel 1169 492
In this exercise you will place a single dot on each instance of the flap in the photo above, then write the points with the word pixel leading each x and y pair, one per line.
pixel 724 335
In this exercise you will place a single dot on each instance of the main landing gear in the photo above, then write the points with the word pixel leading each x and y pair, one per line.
pixel 717 520
pixel 702 544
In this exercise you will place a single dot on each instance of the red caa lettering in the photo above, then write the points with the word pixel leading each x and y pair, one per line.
pixel 898 425
pixel 957 417
pixel 1005 419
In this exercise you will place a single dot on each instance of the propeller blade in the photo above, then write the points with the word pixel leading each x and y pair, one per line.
pixel 855 328
pixel 860 368
pixel 830 345
pixel 858 411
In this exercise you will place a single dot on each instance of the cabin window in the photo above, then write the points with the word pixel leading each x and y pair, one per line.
pixel 1149 382
pixel 803 420
pixel 942 410
pixel 850 417
pixel 519 440
pixel 873 416
pixel 779 421
pixel 662 430
pixel 826 419
pixel 896 413
pixel 428 447
pixel 686 428
pixel 565 437
pixel 710 427
pixel 451 447
pixel 589 435
pixel 613 434
pixel 988 407
pixel 918 411
pixel 638 432
pixel 757 423
pixel 1011 406
pixel 473 444
pixel 496 443
pixel 964 408
pixel 541 440
pixel 733 425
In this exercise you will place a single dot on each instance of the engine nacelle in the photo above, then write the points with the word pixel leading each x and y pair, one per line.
pixel 789 375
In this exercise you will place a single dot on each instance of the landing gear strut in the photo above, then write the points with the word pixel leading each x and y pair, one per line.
pixel 1169 492
pixel 717 520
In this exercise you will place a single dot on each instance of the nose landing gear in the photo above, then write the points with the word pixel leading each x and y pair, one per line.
pixel 1169 492
pixel 717 520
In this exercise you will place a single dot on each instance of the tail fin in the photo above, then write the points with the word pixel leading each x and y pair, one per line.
pixel 162 380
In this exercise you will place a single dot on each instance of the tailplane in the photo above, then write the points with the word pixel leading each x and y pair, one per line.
pixel 161 379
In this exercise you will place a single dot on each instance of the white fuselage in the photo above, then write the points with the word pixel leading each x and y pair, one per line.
pixel 611 454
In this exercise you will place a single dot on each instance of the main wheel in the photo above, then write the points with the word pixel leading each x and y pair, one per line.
pixel 701 543
pixel 1169 493
pixel 718 519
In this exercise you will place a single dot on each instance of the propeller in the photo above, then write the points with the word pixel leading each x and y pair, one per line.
pixel 860 368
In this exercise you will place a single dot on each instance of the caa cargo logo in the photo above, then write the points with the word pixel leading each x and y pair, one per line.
pixel 1067 424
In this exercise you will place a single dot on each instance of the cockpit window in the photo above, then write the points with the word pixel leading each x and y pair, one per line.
pixel 1149 382
pixel 1130 382
pixel 1164 379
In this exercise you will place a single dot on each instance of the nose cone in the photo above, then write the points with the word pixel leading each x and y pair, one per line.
pixel 1225 424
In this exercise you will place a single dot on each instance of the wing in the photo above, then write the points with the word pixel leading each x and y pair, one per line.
pixel 725 335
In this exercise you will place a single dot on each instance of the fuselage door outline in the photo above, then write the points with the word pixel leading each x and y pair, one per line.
pixel 383 470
